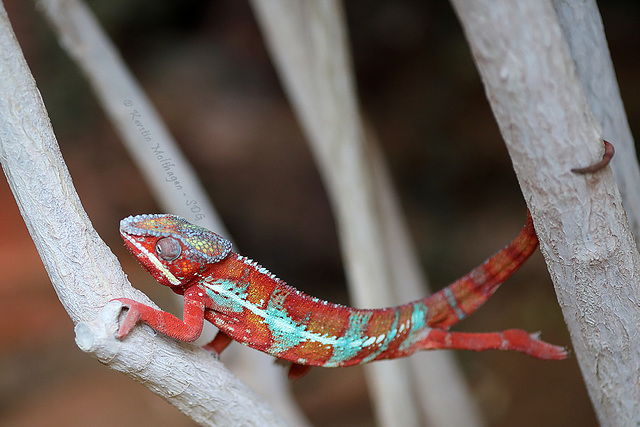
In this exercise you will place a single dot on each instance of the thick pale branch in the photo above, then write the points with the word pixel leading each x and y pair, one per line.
pixel 168 173
pixel 581 23
pixel 539 104
pixel 188 368
pixel 84 272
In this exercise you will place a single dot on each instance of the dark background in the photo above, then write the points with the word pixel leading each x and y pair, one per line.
pixel 204 65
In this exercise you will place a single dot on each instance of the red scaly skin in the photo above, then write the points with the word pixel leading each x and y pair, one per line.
pixel 250 305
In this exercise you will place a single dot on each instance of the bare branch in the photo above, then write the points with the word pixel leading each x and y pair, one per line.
pixel 582 26
pixel 167 172
pixel 146 137
pixel 538 101
pixel 191 372
pixel 307 40
pixel 84 272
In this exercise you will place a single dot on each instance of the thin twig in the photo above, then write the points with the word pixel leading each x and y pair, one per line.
pixel 307 40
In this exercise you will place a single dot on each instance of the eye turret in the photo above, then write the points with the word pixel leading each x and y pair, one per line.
pixel 168 248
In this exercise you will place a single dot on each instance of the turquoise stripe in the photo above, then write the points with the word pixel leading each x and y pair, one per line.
pixel 453 303
pixel 227 293
pixel 393 331
pixel 347 346
pixel 285 332
pixel 418 324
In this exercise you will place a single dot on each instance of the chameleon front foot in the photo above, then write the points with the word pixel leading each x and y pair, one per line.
pixel 132 317
pixel 187 330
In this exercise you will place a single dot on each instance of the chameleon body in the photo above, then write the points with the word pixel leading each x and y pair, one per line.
pixel 252 306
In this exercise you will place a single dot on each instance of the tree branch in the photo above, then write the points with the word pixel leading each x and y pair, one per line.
pixel 544 117
pixel 86 274
pixel 582 26
pixel 308 43
pixel 167 172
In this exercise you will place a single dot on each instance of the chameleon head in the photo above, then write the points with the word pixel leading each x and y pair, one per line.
pixel 173 250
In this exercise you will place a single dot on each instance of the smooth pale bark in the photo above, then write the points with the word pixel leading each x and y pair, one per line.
pixel 85 273
pixel 307 40
pixel 582 26
pixel 167 172
pixel 544 117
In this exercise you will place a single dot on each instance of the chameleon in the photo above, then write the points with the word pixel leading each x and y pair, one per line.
pixel 249 304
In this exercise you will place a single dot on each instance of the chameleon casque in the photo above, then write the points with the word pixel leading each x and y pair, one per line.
pixel 252 306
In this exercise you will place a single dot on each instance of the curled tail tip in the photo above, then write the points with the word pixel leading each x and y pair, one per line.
pixel 609 151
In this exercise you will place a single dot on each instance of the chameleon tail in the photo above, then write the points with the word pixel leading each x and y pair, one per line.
pixel 467 294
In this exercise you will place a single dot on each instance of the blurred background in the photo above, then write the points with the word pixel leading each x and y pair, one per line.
pixel 205 66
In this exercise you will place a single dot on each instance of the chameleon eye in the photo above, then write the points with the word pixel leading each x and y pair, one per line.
pixel 168 248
